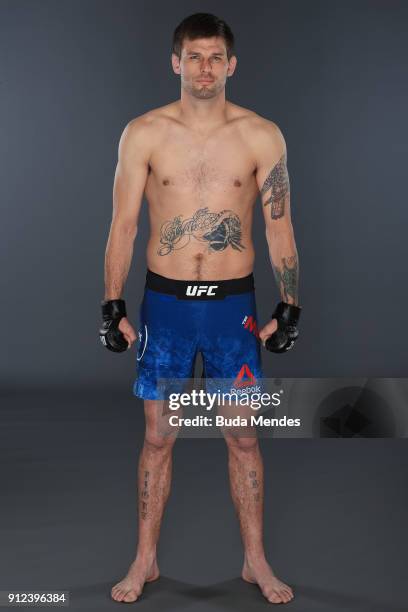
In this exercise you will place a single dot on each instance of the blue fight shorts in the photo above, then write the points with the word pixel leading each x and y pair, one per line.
pixel 179 319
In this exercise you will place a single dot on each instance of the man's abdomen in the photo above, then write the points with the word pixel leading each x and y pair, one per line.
pixel 198 263
pixel 203 244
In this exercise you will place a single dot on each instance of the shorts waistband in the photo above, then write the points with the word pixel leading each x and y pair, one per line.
pixel 199 290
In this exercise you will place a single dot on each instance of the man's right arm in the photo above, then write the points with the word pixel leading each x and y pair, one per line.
pixel 129 184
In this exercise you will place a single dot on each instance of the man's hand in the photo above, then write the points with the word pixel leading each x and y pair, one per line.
pixel 268 330
pixel 116 332
pixel 128 331
pixel 284 321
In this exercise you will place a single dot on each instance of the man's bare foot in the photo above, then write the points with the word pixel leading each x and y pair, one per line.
pixel 260 572
pixel 143 569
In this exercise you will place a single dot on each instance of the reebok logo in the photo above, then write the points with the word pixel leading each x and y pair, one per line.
pixel 250 324
pixel 244 377
pixel 197 290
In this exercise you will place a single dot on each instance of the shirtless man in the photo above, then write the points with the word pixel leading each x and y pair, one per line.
pixel 201 162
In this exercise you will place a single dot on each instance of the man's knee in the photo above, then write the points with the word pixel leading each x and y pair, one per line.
pixel 240 443
pixel 159 436
pixel 158 442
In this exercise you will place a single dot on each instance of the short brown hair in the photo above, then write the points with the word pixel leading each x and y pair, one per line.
pixel 202 25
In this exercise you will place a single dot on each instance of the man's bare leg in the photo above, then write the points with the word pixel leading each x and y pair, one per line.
pixel 154 479
pixel 246 479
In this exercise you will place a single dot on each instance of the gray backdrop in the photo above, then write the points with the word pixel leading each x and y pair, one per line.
pixel 330 74
pixel 72 74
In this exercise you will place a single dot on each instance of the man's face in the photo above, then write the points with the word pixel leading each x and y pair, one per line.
pixel 203 66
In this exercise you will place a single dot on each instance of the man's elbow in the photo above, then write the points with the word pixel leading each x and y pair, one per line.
pixel 279 231
pixel 125 229
pixel 131 231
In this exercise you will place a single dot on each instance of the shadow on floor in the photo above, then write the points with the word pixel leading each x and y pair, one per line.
pixel 234 595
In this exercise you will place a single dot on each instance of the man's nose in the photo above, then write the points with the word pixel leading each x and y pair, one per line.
pixel 205 65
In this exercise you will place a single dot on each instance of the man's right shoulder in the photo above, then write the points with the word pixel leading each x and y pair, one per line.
pixel 143 134
pixel 150 124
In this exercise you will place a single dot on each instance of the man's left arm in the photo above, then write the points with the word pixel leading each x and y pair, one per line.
pixel 273 182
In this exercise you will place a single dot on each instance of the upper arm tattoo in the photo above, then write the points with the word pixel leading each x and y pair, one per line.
pixel 277 184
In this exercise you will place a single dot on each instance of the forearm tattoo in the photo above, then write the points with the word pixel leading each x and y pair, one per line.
pixel 145 496
pixel 217 230
pixel 277 187
pixel 287 278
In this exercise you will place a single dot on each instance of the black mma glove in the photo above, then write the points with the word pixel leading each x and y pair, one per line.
pixel 287 316
pixel 111 336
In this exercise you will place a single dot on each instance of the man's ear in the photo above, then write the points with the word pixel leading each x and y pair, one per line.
pixel 175 62
pixel 232 64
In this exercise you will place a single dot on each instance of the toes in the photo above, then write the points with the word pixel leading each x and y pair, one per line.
pixel 120 594
pixel 289 595
pixel 273 597
pixel 286 593
pixel 131 596
pixel 117 594
pixel 279 596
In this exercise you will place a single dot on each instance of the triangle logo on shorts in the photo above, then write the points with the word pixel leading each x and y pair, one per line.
pixel 245 377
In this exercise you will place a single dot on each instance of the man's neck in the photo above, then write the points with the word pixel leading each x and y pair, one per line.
pixel 202 113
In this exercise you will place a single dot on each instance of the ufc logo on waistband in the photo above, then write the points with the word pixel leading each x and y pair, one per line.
pixel 197 290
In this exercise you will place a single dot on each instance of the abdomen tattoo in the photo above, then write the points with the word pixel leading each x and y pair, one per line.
pixel 217 230
pixel 277 184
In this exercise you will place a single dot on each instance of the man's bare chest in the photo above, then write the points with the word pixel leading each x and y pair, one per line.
pixel 220 165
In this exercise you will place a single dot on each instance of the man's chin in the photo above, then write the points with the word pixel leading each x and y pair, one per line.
pixel 204 92
pixel 204 95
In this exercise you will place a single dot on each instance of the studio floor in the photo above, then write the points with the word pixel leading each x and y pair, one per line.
pixel 335 512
